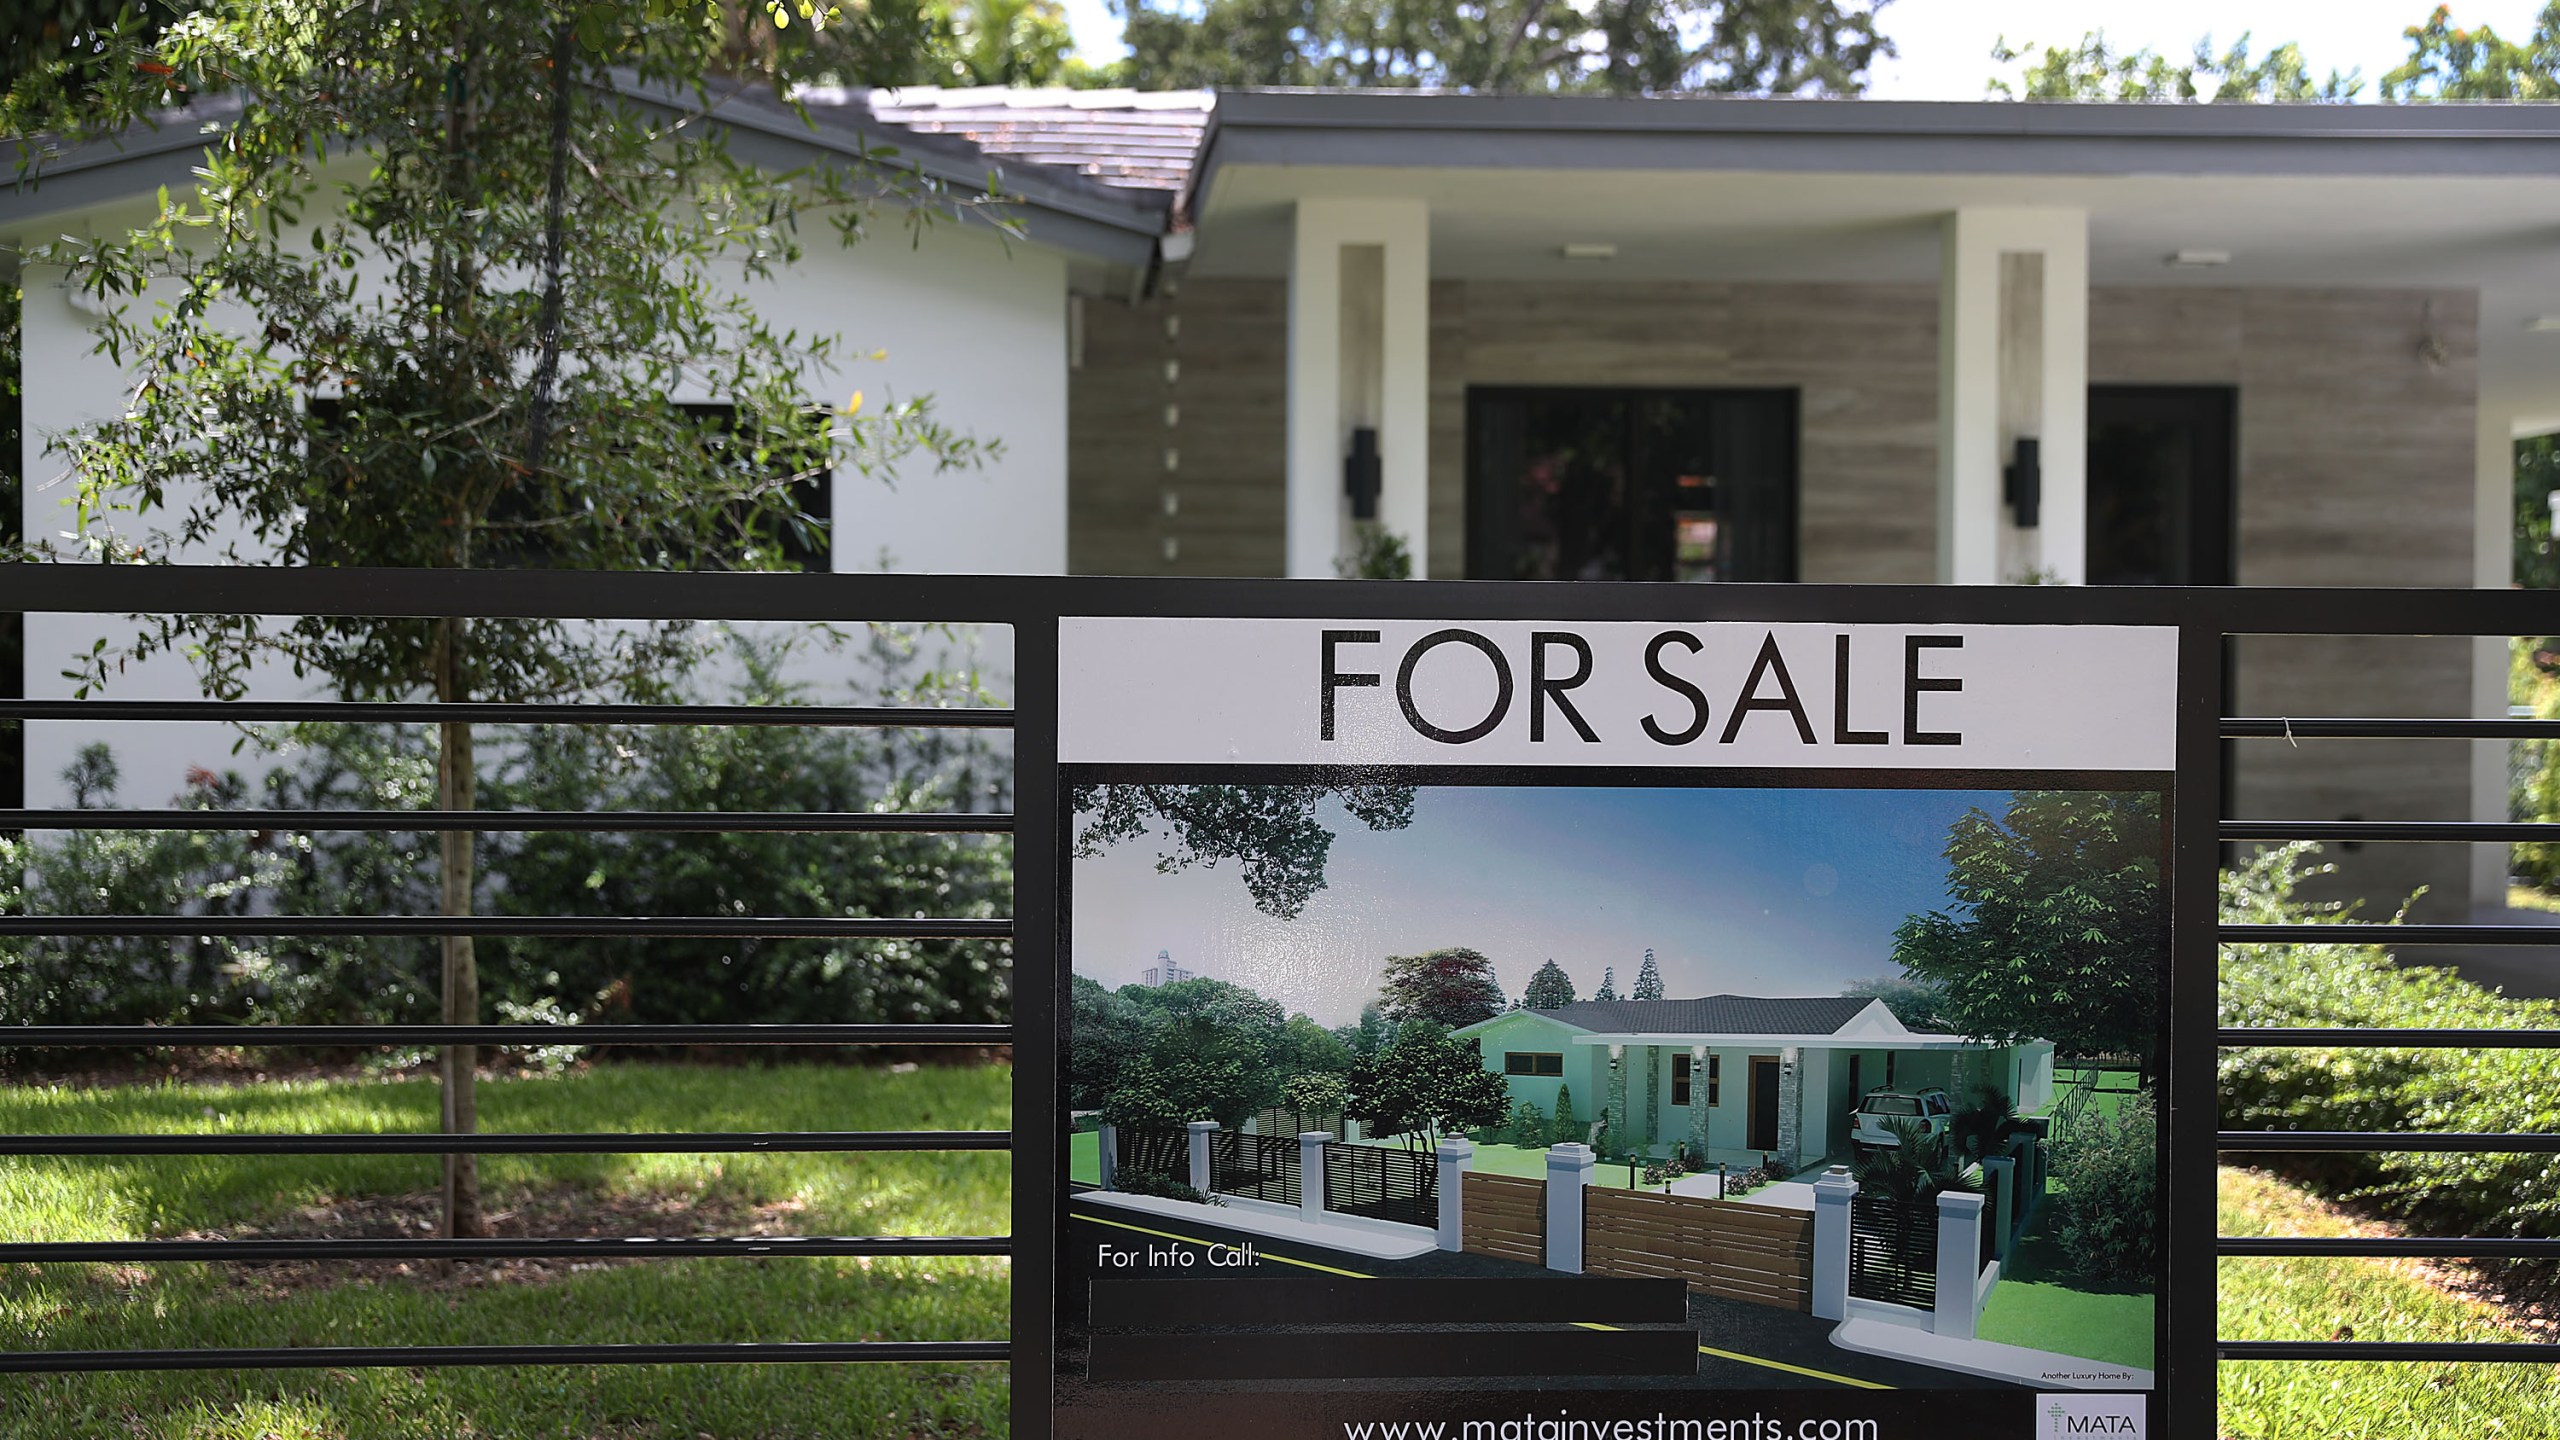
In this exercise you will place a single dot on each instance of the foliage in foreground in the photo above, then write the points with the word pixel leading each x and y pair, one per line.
pixel 317 980
pixel 2362 1088
pixel 2108 1173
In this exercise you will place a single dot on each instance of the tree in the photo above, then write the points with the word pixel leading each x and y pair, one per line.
pixel 1426 1084
pixel 1920 1004
pixel 1306 1048
pixel 1568 1130
pixel 1270 831
pixel 1608 984
pixel 1548 988
pixel 2096 70
pixel 1206 1048
pixel 1449 988
pixel 1372 1033
pixel 430 373
pixel 1614 47
pixel 2476 63
pixel 1648 979
pixel 2059 929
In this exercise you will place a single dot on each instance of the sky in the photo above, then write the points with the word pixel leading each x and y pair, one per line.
pixel 1946 45
pixel 1754 892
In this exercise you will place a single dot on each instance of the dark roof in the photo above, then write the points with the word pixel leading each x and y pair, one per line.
pixel 1714 1015
pixel 1126 139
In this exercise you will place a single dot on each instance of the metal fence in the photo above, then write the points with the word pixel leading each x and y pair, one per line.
pixel 1893 1251
pixel 1163 1151
pixel 1382 1182
pixel 2207 620
pixel 1260 1167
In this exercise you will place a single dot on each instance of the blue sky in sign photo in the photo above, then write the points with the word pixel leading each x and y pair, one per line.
pixel 1749 891
pixel 1944 46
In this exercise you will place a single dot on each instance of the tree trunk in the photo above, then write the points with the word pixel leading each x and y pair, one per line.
pixel 457 789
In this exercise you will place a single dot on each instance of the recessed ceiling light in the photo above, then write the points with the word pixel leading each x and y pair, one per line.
pixel 1590 250
pixel 2543 324
pixel 2196 259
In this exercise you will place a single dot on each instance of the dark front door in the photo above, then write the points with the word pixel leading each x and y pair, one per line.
pixel 1618 484
pixel 2160 495
pixel 1764 1103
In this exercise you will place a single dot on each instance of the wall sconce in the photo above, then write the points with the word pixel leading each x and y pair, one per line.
pixel 1361 474
pixel 2022 484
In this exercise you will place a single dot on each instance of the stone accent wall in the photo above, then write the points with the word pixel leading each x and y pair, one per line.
pixel 1619 1124
pixel 1653 1063
pixel 1790 1109
pixel 1698 1103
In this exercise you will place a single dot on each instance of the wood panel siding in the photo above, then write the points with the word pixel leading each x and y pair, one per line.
pixel 1505 1215
pixel 1731 1248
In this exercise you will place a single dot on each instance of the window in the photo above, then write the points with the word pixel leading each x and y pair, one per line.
pixel 1631 484
pixel 1679 1079
pixel 1532 1062
pixel 1712 1078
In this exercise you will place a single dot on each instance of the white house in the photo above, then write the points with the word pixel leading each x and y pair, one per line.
pixel 1741 1076
pixel 1701 339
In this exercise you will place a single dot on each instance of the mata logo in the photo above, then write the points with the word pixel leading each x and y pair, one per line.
pixel 2092 1417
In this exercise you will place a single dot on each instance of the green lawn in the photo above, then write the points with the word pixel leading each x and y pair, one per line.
pixel 2112 1086
pixel 2323 1299
pixel 2038 1306
pixel 184 1305
pixel 1084 1156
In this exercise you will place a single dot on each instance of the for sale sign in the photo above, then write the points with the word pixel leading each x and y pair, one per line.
pixel 1612 1030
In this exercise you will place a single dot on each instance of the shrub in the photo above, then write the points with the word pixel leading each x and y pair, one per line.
pixel 1528 1125
pixel 1147 1182
pixel 2108 1166
pixel 2362 1088
pixel 1566 1129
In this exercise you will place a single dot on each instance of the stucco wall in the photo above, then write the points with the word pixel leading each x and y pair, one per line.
pixel 978 325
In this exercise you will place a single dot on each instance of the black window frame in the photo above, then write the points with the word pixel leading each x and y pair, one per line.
pixel 1511 1064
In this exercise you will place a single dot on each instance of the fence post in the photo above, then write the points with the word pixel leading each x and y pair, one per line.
pixel 1200 1176
pixel 1311 1145
pixel 1455 1152
pixel 2000 1178
pixel 1568 1171
pixel 1832 1195
pixel 1959 1262
pixel 1108 1142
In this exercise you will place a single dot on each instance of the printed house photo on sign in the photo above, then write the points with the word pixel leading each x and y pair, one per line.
pixel 1863 1077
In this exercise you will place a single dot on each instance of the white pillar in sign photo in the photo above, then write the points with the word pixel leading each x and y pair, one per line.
pixel 1568 1171
pixel 1959 1257
pixel 1311 1145
pixel 1832 1195
pixel 1200 1154
pixel 1455 1154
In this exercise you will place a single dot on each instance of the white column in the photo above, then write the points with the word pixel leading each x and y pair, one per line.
pixel 1359 355
pixel 1311 1145
pixel 1831 1197
pixel 1108 1143
pixel 2000 1178
pixel 1455 1153
pixel 1568 1173
pixel 1200 1176
pixel 2013 360
pixel 1959 1270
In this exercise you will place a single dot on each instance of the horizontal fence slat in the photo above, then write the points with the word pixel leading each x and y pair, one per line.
pixel 2466 1351
pixel 682 1142
pixel 507 713
pixel 611 927
pixel 2384 1141
pixel 2358 831
pixel 522 821
pixel 503 1036
pixel 2388 934
pixel 377 1357
pixel 2451 727
pixel 2480 1247
pixel 618 1247
pixel 2427 1038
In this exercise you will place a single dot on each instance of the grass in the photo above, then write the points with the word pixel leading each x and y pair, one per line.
pixel 2323 1299
pixel 1084 1156
pixel 2040 1307
pixel 2529 897
pixel 2111 1088
pixel 192 1305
